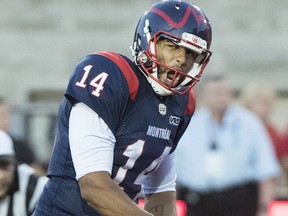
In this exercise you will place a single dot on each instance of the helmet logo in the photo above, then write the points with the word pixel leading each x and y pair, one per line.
pixel 195 39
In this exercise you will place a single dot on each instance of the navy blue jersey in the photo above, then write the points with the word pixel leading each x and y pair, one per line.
pixel 115 88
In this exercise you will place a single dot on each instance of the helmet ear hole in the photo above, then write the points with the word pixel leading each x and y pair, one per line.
pixel 145 60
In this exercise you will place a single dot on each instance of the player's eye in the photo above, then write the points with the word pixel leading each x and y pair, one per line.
pixel 172 45
pixel 191 53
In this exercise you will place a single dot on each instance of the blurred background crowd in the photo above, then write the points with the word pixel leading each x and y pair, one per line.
pixel 41 41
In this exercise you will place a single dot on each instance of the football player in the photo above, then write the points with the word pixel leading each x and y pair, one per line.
pixel 121 120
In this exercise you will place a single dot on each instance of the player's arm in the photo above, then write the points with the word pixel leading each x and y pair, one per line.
pixel 160 189
pixel 104 195
pixel 161 204
pixel 92 145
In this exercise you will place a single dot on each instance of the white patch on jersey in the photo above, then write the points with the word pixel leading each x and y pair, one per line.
pixel 174 120
pixel 162 109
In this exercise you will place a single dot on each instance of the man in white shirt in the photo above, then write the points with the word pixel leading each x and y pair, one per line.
pixel 225 159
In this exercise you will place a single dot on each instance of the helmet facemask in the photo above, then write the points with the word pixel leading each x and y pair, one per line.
pixel 149 63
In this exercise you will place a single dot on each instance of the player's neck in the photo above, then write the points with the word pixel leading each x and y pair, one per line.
pixel 161 99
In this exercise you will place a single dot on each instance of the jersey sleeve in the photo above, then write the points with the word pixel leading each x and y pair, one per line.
pixel 163 178
pixel 105 82
pixel 88 157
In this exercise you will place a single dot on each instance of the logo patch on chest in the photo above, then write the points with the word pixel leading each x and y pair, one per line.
pixel 162 109
pixel 174 120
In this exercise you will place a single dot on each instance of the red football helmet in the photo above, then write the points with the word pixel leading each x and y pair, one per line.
pixel 185 25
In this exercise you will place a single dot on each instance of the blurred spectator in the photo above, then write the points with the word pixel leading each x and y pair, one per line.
pixel 283 149
pixel 20 187
pixel 225 160
pixel 5 116
pixel 259 97
pixel 284 146
pixel 24 153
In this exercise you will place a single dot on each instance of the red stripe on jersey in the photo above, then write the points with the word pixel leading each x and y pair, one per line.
pixel 191 104
pixel 132 80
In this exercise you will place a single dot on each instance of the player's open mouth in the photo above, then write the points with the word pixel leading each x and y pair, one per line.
pixel 172 78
